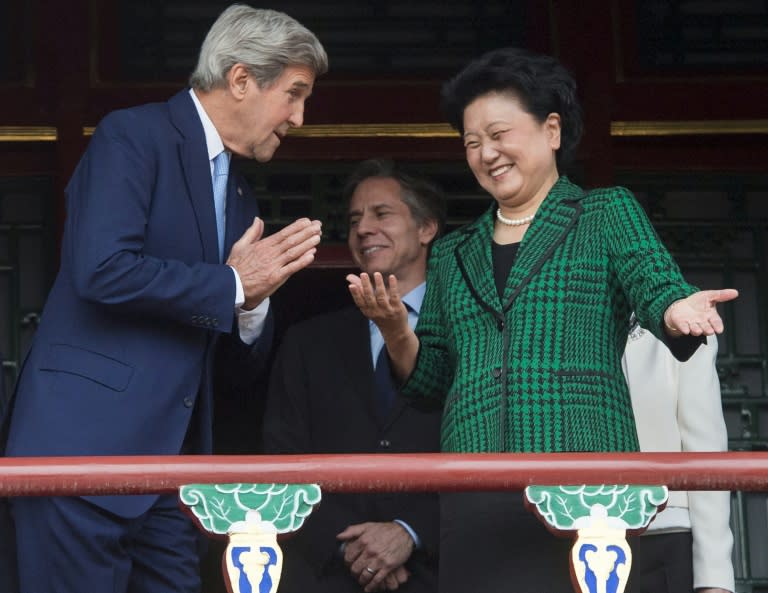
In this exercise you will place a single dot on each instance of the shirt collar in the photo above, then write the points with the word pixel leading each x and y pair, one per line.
pixel 212 139
pixel 414 298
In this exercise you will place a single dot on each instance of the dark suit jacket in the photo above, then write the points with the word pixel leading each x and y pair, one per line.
pixel 321 401
pixel 122 355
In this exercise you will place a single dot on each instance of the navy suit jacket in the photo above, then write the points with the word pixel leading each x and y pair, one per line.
pixel 123 353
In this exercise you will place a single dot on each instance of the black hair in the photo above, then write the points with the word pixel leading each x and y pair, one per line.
pixel 539 82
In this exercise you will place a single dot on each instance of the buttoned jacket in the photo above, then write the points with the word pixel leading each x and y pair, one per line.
pixel 123 353
pixel 539 369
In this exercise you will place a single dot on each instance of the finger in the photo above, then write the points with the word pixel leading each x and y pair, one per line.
pixel 402 575
pixel 298 264
pixel 362 571
pixel 353 280
pixel 394 291
pixel 295 252
pixel 351 532
pixel 298 230
pixel 391 582
pixel 351 553
pixel 377 580
pixel 706 327
pixel 281 243
pixel 717 324
pixel 723 295
pixel 367 292
pixel 357 295
pixel 382 297
pixel 253 233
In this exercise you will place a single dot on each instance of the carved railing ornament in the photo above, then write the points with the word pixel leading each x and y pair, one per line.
pixel 251 516
pixel 600 517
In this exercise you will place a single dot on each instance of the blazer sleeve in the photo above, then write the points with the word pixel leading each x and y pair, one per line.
pixel 433 374
pixel 110 201
pixel 649 275
pixel 702 428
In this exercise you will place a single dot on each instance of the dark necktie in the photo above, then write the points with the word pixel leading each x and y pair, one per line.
pixel 385 390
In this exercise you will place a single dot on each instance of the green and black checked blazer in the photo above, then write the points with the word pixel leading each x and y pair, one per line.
pixel 539 370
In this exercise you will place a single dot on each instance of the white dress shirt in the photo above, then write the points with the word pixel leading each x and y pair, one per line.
pixel 250 323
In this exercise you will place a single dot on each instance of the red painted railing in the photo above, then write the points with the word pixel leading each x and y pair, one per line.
pixel 53 476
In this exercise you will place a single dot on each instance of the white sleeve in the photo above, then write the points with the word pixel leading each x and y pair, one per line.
pixel 702 428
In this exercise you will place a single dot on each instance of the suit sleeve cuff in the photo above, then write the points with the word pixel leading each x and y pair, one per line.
pixel 250 322
pixel 411 532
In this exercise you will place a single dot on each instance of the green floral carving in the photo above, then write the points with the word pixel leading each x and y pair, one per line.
pixel 283 507
pixel 572 507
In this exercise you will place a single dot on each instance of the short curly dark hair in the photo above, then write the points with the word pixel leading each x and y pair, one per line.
pixel 539 82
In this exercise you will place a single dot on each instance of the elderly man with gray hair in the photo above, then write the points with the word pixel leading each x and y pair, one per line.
pixel 163 252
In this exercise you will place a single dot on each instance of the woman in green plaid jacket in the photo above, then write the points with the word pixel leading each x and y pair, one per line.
pixel 527 309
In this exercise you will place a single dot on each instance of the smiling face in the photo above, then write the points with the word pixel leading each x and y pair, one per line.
pixel 262 117
pixel 383 235
pixel 511 154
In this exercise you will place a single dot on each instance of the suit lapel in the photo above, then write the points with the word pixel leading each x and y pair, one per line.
pixel 473 256
pixel 197 171
pixel 555 218
pixel 355 351
pixel 359 369
pixel 234 210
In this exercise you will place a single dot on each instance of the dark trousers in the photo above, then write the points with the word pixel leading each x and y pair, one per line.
pixel 490 543
pixel 8 580
pixel 661 564
pixel 69 545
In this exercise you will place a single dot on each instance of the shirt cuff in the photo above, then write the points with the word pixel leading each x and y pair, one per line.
pixel 249 322
pixel 411 532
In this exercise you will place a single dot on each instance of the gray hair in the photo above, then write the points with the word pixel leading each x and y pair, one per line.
pixel 265 41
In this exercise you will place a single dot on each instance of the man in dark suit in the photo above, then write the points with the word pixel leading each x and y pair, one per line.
pixel 329 393
pixel 121 362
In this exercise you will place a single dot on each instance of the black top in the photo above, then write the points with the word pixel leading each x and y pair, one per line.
pixel 503 257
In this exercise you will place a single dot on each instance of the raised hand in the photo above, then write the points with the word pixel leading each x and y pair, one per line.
pixel 697 314
pixel 383 306
pixel 264 264
pixel 379 303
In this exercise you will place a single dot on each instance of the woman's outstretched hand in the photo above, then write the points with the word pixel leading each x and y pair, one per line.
pixel 696 315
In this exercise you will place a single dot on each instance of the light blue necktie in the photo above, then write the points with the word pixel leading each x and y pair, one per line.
pixel 220 174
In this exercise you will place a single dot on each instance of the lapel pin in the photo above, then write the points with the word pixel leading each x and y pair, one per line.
pixel 239 191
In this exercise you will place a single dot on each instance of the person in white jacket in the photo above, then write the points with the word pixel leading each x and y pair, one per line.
pixel 677 407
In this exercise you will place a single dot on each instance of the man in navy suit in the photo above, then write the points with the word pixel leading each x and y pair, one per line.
pixel 330 392
pixel 162 252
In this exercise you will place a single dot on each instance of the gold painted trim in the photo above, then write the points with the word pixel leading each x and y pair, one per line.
pixel 435 130
pixel 362 131
pixel 28 134
pixel 375 131
pixel 689 127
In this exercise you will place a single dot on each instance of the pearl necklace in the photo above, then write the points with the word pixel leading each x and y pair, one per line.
pixel 513 221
